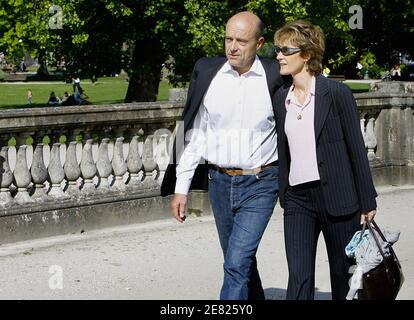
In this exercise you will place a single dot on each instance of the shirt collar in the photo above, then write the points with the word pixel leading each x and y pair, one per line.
pixel 290 95
pixel 312 90
pixel 255 69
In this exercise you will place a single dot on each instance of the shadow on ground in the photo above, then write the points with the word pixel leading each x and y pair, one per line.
pixel 280 294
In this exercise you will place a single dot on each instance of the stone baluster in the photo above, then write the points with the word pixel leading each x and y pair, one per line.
pixel 72 170
pixel 134 162
pixel 39 171
pixel 162 137
pixel 6 176
pixel 362 126
pixel 119 164
pixel 88 169
pixel 371 139
pixel 22 174
pixel 149 163
pixel 56 172
pixel 104 165
pixel 56 135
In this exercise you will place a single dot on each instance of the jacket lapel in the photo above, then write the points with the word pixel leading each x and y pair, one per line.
pixel 322 104
pixel 272 74
pixel 204 79
pixel 280 110
pixel 282 103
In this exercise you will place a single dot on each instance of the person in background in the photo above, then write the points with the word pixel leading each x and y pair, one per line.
pixel 53 100
pixel 396 72
pixel 76 85
pixel 29 96
pixel 359 67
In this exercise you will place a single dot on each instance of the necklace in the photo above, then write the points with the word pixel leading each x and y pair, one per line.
pixel 301 106
pixel 299 117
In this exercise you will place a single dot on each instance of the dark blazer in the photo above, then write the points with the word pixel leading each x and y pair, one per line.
pixel 340 150
pixel 204 71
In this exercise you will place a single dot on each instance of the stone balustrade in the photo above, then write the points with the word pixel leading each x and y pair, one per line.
pixel 387 125
pixel 94 154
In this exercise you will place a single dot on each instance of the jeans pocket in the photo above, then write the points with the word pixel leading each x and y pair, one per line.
pixel 270 173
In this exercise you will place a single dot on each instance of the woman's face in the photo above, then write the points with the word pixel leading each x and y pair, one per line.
pixel 291 62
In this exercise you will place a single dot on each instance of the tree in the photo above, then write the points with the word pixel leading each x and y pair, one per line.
pixel 387 30
pixel 140 36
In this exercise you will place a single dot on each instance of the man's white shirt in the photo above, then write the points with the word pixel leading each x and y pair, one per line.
pixel 234 126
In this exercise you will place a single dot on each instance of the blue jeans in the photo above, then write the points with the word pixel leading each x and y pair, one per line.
pixel 242 207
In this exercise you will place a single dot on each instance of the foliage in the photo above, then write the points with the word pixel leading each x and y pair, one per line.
pixel 387 29
pixel 99 37
pixel 368 61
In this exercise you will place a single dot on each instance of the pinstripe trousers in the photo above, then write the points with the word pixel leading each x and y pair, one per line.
pixel 305 217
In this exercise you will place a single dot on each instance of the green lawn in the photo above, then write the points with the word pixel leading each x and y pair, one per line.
pixel 358 87
pixel 105 91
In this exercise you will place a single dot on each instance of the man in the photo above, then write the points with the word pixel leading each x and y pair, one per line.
pixel 229 110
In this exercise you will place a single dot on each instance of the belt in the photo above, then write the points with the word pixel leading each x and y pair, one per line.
pixel 241 172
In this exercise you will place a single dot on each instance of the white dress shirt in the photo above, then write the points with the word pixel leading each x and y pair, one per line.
pixel 234 126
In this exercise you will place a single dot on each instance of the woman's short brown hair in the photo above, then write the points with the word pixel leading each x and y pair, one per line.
pixel 308 37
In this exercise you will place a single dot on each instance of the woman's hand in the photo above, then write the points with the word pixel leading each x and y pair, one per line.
pixel 368 216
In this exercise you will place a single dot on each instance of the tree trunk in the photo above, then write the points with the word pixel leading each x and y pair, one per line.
pixel 42 71
pixel 145 74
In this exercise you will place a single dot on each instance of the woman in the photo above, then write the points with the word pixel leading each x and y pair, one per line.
pixel 325 183
pixel 53 100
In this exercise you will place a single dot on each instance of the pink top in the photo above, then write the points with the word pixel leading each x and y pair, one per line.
pixel 300 132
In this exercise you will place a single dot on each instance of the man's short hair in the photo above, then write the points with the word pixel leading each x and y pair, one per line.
pixel 260 29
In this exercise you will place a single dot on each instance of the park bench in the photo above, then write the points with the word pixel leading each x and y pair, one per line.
pixel 337 77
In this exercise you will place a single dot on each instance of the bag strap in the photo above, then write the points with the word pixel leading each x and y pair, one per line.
pixel 379 231
pixel 371 229
pixel 364 226
pixel 391 250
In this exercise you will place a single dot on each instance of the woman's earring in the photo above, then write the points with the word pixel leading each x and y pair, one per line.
pixel 306 66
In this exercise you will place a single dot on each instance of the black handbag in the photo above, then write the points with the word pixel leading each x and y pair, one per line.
pixel 385 280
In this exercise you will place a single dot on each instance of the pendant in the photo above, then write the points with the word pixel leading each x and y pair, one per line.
pixel 299 116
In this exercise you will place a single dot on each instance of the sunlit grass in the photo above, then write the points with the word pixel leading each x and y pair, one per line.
pixel 105 91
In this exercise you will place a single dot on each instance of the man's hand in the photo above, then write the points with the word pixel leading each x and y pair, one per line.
pixel 367 216
pixel 178 206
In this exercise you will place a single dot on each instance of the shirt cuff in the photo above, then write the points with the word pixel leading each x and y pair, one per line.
pixel 182 186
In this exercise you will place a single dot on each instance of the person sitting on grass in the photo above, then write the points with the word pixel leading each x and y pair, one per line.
pixel 53 100
pixel 68 100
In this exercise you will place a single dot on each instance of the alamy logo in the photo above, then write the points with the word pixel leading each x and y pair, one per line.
pixel 56 21
pixel 355 21
pixel 56 280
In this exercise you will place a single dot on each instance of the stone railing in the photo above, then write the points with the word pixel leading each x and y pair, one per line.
pixel 93 151
pixel 387 124
pixel 68 158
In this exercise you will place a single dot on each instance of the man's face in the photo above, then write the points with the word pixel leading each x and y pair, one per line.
pixel 241 44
